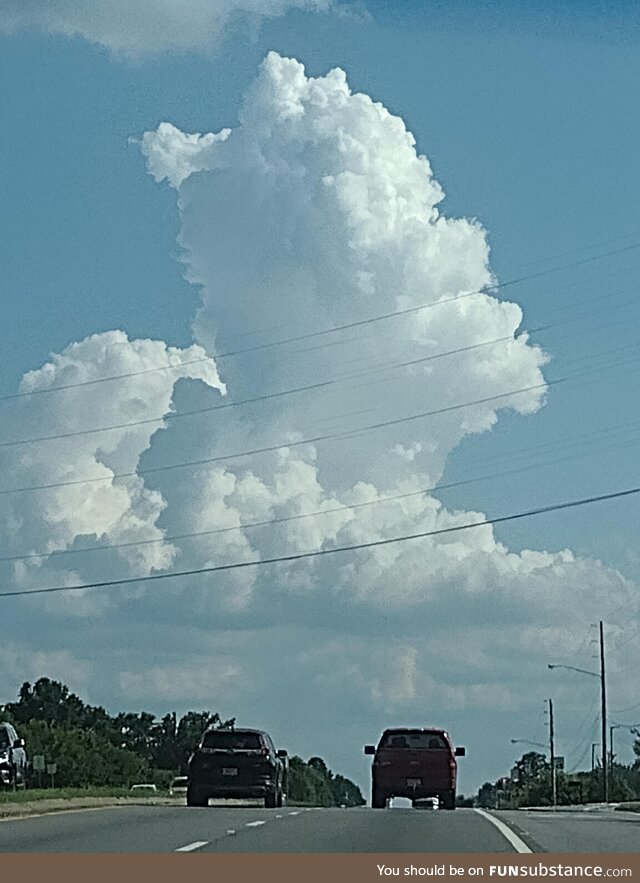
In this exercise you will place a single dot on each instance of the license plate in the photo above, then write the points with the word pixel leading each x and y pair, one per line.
pixel 413 783
pixel 229 771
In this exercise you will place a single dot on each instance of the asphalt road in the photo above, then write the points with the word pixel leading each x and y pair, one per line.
pixel 290 830
pixel 592 831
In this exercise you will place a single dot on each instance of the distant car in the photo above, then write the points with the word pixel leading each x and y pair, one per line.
pixel 178 787
pixel 239 764
pixel 144 788
pixel 428 803
pixel 13 758
pixel 414 763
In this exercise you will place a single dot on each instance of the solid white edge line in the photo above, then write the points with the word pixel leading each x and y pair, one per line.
pixel 191 846
pixel 518 844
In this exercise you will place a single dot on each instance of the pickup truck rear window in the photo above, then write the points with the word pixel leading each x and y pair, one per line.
pixel 232 741
pixel 414 740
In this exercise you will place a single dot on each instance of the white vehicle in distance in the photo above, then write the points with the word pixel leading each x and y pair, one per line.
pixel 143 790
pixel 427 803
pixel 178 786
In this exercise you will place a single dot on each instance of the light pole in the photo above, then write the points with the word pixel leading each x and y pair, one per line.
pixel 603 695
pixel 611 729
pixel 529 742
pixel 603 711
pixel 552 754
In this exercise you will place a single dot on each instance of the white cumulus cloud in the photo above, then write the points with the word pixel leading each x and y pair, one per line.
pixel 316 210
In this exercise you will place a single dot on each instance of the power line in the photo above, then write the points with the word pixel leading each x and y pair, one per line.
pixel 343 434
pixel 580 760
pixel 565 254
pixel 54 554
pixel 624 710
pixel 487 290
pixel 258 562
pixel 329 382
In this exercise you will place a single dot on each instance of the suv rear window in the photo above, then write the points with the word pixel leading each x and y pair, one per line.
pixel 413 740
pixel 238 741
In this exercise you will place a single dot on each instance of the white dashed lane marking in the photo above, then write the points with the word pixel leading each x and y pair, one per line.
pixel 190 847
pixel 255 824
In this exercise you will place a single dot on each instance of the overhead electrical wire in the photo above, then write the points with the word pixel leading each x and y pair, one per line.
pixel 289 444
pixel 343 434
pixel 318 513
pixel 487 291
pixel 312 386
pixel 355 547
pixel 581 248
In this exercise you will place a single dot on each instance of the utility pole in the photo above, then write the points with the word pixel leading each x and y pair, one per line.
pixel 611 755
pixel 603 694
pixel 552 754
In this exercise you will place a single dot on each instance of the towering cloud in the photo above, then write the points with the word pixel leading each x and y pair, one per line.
pixel 318 211
pixel 315 211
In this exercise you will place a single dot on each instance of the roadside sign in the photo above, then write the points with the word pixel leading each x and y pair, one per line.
pixel 38 762
pixel 52 769
pixel 559 763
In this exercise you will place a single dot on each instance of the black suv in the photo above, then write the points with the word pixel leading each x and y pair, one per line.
pixel 13 758
pixel 237 763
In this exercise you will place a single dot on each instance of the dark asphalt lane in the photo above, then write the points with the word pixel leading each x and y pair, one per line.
pixel 252 829
pixel 593 831
pixel 367 830
pixel 246 829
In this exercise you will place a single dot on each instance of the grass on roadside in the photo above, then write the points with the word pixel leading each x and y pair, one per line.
pixel 68 793
pixel 632 806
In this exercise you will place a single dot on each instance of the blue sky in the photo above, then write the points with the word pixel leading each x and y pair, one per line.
pixel 530 124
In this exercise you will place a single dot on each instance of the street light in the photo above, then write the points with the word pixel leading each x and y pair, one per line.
pixel 584 671
pixel 611 729
pixel 603 704
pixel 529 742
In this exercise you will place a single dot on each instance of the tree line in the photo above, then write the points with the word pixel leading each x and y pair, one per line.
pixel 92 748
pixel 530 784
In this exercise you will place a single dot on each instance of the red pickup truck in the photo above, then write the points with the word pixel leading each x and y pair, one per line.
pixel 414 763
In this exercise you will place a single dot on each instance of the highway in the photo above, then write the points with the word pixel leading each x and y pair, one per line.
pixel 252 829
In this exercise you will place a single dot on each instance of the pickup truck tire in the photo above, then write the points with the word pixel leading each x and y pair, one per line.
pixel 449 800
pixel 378 798
pixel 271 799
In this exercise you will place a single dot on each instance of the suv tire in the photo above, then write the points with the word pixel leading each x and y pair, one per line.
pixel 271 799
pixel 194 798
